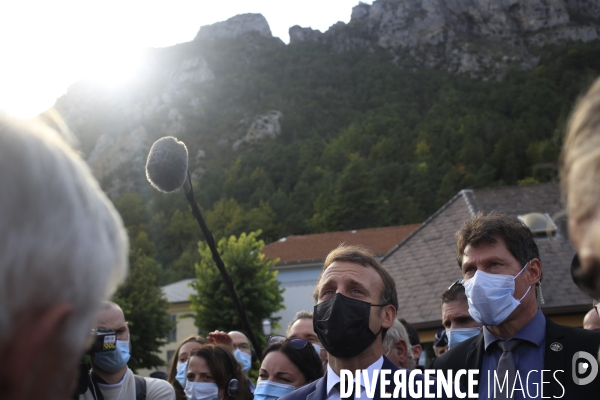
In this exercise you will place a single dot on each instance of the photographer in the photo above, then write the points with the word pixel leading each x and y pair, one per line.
pixel 110 378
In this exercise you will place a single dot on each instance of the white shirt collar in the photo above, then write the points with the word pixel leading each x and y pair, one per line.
pixel 333 378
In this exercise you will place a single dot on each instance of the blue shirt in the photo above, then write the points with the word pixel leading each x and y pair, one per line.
pixel 528 356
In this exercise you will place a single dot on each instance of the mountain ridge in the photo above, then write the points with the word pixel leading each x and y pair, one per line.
pixel 481 38
pixel 335 131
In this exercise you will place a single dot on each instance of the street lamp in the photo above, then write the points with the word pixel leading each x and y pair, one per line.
pixel 266 323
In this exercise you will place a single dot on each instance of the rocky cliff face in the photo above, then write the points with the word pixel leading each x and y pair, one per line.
pixel 265 126
pixel 114 126
pixel 117 129
pixel 479 37
pixel 234 27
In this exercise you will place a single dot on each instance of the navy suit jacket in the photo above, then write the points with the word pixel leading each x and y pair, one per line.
pixel 562 342
pixel 317 390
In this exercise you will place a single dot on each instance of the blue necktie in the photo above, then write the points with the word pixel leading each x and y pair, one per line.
pixel 506 367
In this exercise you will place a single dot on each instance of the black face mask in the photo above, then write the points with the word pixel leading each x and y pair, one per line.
pixel 342 325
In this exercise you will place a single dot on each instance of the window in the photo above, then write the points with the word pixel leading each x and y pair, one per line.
pixel 173 334
pixel 540 224
pixel 170 354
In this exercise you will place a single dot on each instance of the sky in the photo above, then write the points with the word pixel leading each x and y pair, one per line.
pixel 46 45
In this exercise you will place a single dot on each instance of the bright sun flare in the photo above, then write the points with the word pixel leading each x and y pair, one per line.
pixel 114 68
pixel 49 45
pixel 28 90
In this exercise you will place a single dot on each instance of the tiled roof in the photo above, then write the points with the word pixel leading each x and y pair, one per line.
pixel 424 264
pixel 305 248
pixel 178 292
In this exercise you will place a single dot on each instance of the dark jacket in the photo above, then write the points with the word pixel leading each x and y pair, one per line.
pixel 562 342
pixel 317 390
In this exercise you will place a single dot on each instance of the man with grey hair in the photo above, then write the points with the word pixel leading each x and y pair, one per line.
pixel 397 346
pixel 63 249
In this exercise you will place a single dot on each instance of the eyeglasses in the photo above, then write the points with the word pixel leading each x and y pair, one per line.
pixel 296 343
pixel 457 282
pixel 241 346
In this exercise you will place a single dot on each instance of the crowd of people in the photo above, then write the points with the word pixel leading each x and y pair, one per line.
pixel 64 252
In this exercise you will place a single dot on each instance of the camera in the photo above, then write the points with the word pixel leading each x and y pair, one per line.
pixel 104 339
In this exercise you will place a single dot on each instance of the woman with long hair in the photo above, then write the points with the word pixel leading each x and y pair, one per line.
pixel 178 368
pixel 213 373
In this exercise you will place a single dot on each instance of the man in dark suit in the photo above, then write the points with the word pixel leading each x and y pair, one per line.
pixel 356 305
pixel 500 264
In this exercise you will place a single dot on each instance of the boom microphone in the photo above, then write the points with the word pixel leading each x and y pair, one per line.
pixel 167 171
pixel 167 164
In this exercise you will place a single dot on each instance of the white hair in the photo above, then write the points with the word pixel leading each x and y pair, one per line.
pixel 61 238
pixel 395 333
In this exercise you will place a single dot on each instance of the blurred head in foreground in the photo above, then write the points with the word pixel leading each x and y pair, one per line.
pixel 580 174
pixel 63 249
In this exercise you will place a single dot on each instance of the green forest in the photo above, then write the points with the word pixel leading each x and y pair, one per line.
pixel 364 143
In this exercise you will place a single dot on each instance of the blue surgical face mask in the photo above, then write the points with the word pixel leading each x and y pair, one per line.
pixel 181 374
pixel 457 335
pixel 491 296
pixel 269 390
pixel 244 359
pixel 112 361
pixel 201 390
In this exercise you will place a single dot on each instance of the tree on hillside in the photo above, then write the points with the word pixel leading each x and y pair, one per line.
pixel 228 218
pixel 145 310
pixel 253 277
pixel 363 143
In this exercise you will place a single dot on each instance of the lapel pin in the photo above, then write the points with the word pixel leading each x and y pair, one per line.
pixel 556 346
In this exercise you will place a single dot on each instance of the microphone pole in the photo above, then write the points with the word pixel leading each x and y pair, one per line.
pixel 189 195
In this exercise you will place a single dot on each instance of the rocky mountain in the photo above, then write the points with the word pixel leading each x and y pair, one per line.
pixel 238 26
pixel 235 85
pixel 117 128
pixel 482 38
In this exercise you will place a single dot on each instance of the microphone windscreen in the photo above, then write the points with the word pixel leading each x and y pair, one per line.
pixel 167 164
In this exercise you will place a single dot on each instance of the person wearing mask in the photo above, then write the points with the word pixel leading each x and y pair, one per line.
pixel 302 327
pixel 243 353
pixel 353 283
pixel 459 324
pixel 110 378
pixel 501 268
pixel 178 368
pixel 396 346
pixel 287 365
pixel 63 250
pixel 214 373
